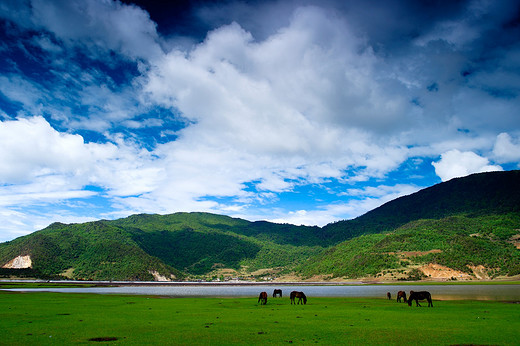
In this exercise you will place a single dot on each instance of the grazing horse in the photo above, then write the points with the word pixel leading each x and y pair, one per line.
pixel 300 295
pixel 401 294
pixel 422 295
pixel 388 295
pixel 262 298
pixel 277 292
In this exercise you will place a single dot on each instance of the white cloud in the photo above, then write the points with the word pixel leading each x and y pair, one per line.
pixel 308 101
pixel 364 200
pixel 506 148
pixel 454 164
pixel 302 104
pixel 32 149
pixel 99 23
pixel 20 90
pixel 40 163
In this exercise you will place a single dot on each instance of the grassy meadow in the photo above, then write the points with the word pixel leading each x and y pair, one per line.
pixel 56 318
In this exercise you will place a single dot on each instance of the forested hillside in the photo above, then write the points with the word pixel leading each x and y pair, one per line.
pixel 476 245
pixel 474 195
pixel 470 226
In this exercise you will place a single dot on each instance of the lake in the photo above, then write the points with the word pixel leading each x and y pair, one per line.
pixel 440 292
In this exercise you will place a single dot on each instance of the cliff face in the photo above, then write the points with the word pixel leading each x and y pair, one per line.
pixel 19 262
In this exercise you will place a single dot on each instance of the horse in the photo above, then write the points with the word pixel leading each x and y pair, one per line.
pixel 262 298
pixel 277 292
pixel 401 294
pixel 422 295
pixel 388 295
pixel 300 295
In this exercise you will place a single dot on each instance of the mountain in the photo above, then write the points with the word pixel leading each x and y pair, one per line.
pixel 476 194
pixel 454 247
pixel 148 247
pixel 467 227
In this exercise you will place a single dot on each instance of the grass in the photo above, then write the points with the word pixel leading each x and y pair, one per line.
pixel 55 318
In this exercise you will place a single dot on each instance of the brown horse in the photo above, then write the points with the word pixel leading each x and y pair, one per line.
pixel 388 295
pixel 262 298
pixel 300 295
pixel 277 292
pixel 422 295
pixel 401 294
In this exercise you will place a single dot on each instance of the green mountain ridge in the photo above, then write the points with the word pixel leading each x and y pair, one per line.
pixel 461 224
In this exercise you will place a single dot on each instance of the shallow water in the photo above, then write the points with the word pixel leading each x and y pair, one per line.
pixel 441 292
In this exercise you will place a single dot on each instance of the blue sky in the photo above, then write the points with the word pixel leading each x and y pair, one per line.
pixel 305 112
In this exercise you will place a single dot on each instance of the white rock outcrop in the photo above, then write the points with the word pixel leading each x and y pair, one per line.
pixel 19 262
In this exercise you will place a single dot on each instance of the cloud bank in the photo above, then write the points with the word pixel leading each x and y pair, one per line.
pixel 320 112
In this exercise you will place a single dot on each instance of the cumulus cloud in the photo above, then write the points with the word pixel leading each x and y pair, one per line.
pixel 99 23
pixel 31 148
pixel 454 164
pixel 305 95
pixel 507 148
pixel 40 163
pixel 336 95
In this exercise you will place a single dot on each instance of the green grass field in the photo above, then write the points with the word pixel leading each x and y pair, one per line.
pixel 56 318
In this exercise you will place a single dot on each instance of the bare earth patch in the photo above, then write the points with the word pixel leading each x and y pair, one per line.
pixel 69 273
pixel 19 262
pixel 515 240
pixel 439 272
pixel 409 254
pixel 480 272
pixel 104 338
pixel 159 277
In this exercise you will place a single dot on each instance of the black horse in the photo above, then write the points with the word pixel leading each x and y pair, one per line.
pixel 422 295
pixel 300 295
pixel 401 294
pixel 262 298
pixel 278 293
pixel 388 295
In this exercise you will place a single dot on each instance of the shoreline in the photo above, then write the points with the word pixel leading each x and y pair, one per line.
pixel 513 281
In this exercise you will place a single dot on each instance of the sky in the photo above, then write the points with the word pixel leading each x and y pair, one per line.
pixel 302 112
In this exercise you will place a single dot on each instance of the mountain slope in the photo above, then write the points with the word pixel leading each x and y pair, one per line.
pixel 476 194
pixel 173 245
pixel 93 250
pixel 459 243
